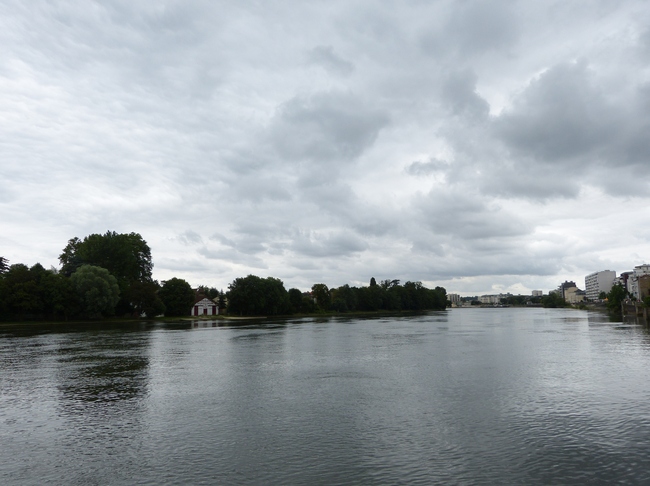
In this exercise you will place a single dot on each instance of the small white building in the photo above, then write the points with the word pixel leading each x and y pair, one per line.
pixel 205 307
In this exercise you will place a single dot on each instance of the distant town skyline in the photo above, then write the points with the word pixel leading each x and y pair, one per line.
pixel 486 147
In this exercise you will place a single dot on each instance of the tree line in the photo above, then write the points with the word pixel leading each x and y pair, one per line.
pixel 110 274
pixel 253 295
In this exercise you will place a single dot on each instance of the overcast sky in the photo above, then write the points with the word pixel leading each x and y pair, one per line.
pixel 485 146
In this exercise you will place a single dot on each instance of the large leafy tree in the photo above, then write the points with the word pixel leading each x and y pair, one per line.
pixel 253 295
pixel 322 294
pixel 21 286
pixel 126 256
pixel 615 297
pixel 177 296
pixel 145 299
pixel 97 290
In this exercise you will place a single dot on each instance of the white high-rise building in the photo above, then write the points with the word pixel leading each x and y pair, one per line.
pixel 598 282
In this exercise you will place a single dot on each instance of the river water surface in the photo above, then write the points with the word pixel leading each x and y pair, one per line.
pixel 465 396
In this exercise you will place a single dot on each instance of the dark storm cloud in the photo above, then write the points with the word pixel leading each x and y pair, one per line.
pixel 334 126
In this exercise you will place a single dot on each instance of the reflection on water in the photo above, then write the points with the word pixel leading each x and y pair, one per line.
pixel 468 396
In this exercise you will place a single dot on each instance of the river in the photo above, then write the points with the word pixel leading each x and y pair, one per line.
pixel 465 396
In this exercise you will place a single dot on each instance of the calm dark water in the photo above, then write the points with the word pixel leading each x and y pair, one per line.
pixel 467 396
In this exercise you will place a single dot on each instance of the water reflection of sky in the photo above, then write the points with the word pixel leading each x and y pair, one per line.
pixel 471 395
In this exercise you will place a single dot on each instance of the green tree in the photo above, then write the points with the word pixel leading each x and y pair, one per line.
pixel 322 295
pixel 23 288
pixel 222 300
pixel 615 297
pixel 61 299
pixel 97 290
pixel 126 256
pixel 144 298
pixel 295 300
pixel 177 296
pixel 4 265
pixel 253 295
pixel 553 299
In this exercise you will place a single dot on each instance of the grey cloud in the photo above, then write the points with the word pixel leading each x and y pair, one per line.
pixel 328 244
pixel 259 188
pixel 324 56
pixel 190 238
pixel 433 166
pixel 467 216
pixel 644 44
pixel 560 115
pixel 232 256
pixel 479 26
pixel 473 28
pixel 333 126
pixel 222 239
pixel 459 94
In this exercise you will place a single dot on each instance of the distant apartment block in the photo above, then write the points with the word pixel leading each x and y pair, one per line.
pixel 573 295
pixel 633 281
pixel 566 285
pixel 453 298
pixel 598 282
pixel 538 293
pixel 493 299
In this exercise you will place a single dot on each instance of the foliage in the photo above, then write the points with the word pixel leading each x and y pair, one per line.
pixel 615 297
pixel 36 293
pixel 517 300
pixel 388 295
pixel 602 295
pixel 207 292
pixel 177 296
pixel 553 299
pixel 322 295
pixel 295 300
pixel 126 256
pixel 97 290
pixel 144 298
pixel 222 300
pixel 254 296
